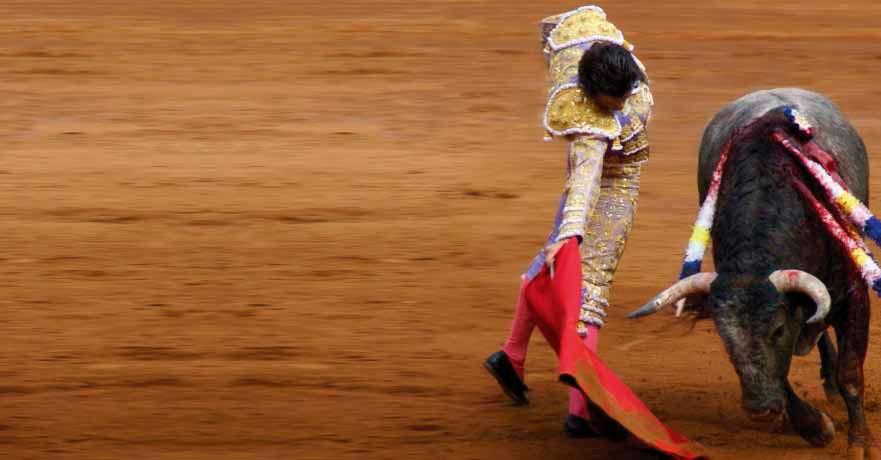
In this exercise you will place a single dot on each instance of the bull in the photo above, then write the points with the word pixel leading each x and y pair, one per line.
pixel 780 279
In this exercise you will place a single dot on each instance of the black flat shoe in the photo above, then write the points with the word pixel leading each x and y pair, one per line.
pixel 577 427
pixel 499 366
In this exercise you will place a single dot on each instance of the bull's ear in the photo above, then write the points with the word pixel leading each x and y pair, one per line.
pixel 808 338
pixel 799 305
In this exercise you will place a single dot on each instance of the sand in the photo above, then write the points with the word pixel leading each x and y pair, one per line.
pixel 294 230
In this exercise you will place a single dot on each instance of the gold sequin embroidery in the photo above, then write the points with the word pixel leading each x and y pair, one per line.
pixel 564 66
pixel 637 143
pixel 584 24
pixel 633 158
pixel 606 234
pixel 569 111
pixel 641 102
pixel 631 129
pixel 586 166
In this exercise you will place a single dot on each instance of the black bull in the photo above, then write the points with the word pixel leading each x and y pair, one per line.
pixel 763 227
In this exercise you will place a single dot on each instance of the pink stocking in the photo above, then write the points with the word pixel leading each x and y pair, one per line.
pixel 521 330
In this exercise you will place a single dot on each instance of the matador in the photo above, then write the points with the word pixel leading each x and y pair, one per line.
pixel 599 102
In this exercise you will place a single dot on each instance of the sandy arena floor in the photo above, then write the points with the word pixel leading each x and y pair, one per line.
pixel 289 230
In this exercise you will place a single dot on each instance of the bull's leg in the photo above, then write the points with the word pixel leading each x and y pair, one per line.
pixel 852 331
pixel 828 363
pixel 809 422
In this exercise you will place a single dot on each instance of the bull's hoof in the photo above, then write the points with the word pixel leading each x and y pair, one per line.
pixel 817 429
pixel 828 432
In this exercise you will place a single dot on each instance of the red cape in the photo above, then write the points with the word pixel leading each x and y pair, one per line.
pixel 556 305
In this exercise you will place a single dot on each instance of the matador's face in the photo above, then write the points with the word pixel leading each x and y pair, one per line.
pixel 611 103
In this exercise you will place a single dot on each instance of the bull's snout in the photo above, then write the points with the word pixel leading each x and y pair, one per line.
pixel 770 412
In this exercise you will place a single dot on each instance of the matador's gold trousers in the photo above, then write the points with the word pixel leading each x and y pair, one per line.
pixel 606 233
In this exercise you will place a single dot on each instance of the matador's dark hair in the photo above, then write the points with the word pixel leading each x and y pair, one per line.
pixel 608 68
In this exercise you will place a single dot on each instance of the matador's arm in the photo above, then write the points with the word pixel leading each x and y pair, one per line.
pixel 583 187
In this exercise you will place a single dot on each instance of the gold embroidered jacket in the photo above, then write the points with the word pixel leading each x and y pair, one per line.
pixel 595 135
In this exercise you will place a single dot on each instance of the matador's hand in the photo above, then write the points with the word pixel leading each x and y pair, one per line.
pixel 551 252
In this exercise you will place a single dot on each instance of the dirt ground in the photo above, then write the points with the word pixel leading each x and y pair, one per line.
pixel 280 230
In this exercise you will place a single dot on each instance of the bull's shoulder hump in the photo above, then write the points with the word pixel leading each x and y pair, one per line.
pixel 753 105
pixel 776 97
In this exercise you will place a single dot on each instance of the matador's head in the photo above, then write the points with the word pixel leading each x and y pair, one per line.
pixel 583 47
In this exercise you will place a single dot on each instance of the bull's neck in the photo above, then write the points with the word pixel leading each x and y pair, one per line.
pixel 762 224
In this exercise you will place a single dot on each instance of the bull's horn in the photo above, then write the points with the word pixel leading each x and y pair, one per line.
pixel 799 281
pixel 698 283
